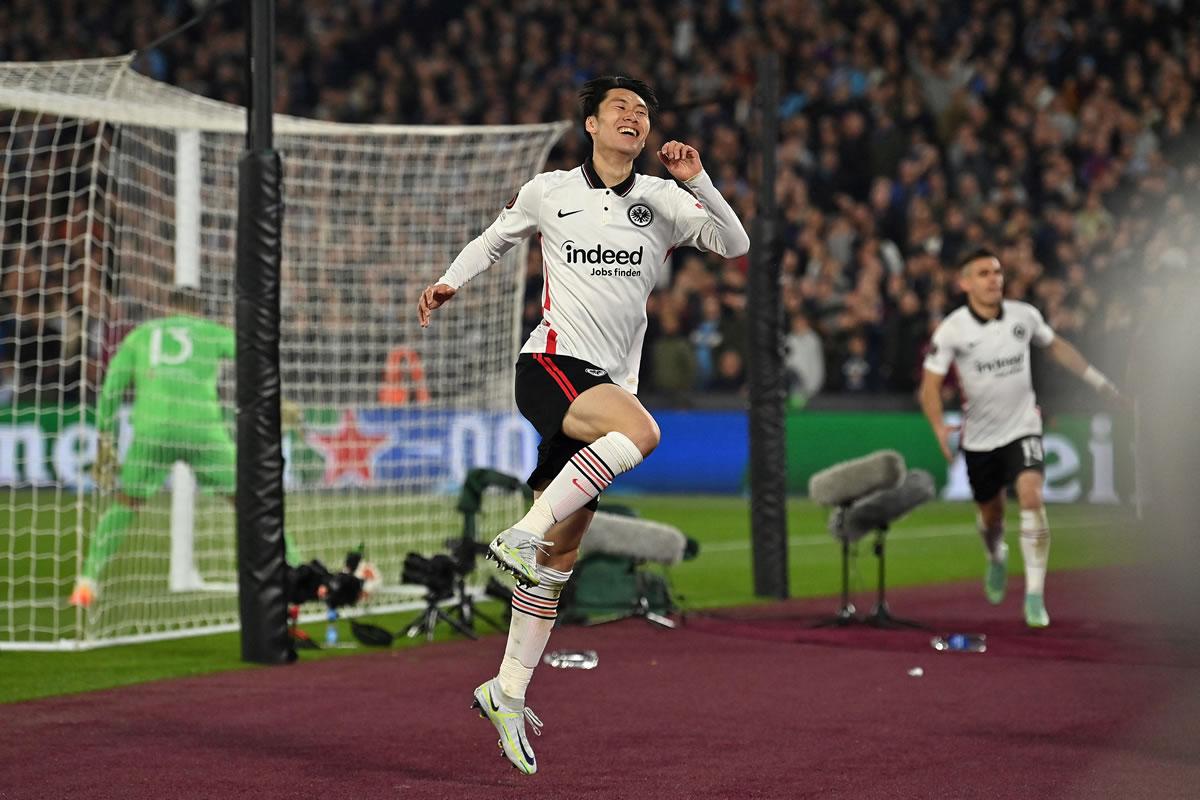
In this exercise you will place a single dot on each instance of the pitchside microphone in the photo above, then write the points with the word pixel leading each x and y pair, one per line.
pixel 846 482
pixel 882 507
pixel 631 537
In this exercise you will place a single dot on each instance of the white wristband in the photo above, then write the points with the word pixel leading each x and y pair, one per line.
pixel 1095 378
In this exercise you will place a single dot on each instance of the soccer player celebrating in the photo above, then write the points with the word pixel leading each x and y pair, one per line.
pixel 605 233
pixel 173 364
pixel 988 342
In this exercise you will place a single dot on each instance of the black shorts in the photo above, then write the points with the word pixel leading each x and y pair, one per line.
pixel 993 470
pixel 546 387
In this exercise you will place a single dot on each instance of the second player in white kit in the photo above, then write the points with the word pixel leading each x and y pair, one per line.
pixel 988 342
pixel 992 359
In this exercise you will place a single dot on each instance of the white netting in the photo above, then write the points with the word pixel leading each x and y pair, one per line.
pixel 117 189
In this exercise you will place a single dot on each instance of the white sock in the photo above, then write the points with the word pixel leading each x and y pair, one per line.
pixel 534 610
pixel 1035 549
pixel 993 540
pixel 586 475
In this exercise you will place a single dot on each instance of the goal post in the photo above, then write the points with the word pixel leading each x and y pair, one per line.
pixel 117 191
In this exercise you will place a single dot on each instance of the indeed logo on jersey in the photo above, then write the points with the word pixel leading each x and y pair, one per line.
pixel 1001 366
pixel 604 255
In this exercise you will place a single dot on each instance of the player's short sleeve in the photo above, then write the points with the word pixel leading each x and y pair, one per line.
pixel 1043 334
pixel 941 350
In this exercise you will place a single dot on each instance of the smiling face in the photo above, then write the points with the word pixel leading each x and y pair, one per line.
pixel 621 124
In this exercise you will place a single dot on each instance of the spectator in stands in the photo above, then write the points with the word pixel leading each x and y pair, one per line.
pixel 731 372
pixel 706 339
pixel 1064 136
pixel 904 332
pixel 857 373
pixel 674 361
pixel 804 361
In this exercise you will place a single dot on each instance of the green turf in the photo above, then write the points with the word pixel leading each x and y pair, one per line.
pixel 935 544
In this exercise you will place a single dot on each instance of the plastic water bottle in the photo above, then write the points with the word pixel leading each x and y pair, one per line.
pixel 572 659
pixel 331 630
pixel 960 643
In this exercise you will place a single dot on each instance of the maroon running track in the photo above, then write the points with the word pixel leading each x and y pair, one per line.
pixel 749 704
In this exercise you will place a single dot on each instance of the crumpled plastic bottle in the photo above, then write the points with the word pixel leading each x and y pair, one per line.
pixel 960 643
pixel 572 659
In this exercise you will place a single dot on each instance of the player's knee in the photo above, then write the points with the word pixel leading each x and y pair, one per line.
pixel 562 556
pixel 645 435
pixel 1030 497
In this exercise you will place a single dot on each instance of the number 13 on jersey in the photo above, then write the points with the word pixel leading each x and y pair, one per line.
pixel 177 354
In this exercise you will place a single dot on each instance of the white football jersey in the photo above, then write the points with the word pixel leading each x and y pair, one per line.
pixel 992 358
pixel 602 251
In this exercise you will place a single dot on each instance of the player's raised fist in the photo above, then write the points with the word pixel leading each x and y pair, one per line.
pixel 681 160
pixel 433 297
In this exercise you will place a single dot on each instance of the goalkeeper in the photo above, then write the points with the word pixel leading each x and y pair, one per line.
pixel 173 364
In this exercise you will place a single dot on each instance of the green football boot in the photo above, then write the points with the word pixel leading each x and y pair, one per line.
pixel 1035 611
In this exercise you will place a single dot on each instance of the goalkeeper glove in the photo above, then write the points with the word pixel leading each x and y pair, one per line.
pixel 104 467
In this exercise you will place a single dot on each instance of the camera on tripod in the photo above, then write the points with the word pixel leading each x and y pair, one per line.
pixel 436 574
pixel 447 598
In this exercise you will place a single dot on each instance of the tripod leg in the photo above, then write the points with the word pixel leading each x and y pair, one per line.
pixel 458 625
pixel 431 618
pixel 489 620
pixel 416 627
pixel 468 613
pixel 845 615
pixel 846 579
pixel 881 617
pixel 879 553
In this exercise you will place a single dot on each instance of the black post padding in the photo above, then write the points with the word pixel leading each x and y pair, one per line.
pixel 262 564
pixel 768 388
pixel 262 568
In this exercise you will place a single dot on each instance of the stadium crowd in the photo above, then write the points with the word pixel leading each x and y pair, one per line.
pixel 1063 135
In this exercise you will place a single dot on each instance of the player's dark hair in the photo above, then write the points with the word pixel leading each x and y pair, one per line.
pixel 593 92
pixel 976 253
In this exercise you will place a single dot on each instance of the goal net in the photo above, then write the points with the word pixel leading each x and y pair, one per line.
pixel 119 198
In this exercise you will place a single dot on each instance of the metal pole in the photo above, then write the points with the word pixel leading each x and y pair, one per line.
pixel 260 133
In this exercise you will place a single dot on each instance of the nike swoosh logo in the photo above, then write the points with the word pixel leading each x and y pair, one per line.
pixel 528 755
pixel 569 213
pixel 580 486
